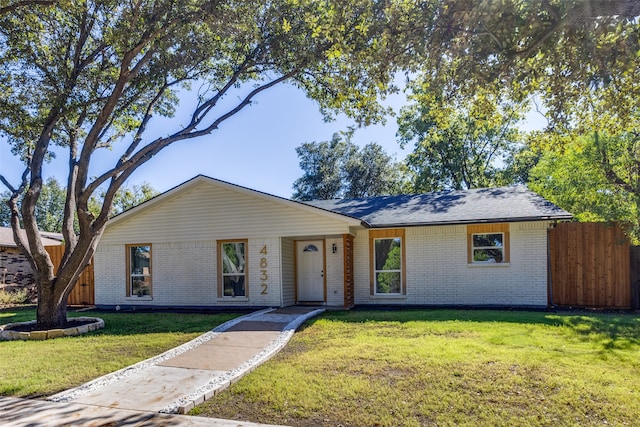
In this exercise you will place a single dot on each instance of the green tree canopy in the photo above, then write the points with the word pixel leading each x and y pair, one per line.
pixel 129 196
pixel 459 143
pixel 556 48
pixel 370 171
pixel 49 209
pixel 340 169
pixel 577 179
pixel 321 163
pixel 50 206
pixel 578 59
pixel 90 76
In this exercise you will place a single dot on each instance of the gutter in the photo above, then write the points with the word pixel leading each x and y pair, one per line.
pixel 472 221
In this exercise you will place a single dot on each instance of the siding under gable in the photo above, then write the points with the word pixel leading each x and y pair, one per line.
pixel 210 212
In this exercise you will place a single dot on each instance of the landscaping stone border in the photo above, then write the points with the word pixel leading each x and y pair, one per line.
pixel 220 382
pixel 105 380
pixel 11 335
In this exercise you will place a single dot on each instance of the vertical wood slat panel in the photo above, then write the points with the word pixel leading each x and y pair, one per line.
pixel 590 266
pixel 349 282
pixel 83 292
pixel 634 261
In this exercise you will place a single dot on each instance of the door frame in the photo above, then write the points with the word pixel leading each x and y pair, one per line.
pixel 324 267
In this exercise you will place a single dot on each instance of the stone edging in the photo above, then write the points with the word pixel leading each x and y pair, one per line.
pixel 74 393
pixel 221 382
pixel 11 335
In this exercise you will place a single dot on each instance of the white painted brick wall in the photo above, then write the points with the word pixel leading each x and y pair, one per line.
pixel 272 296
pixel 184 274
pixel 438 273
pixel 110 274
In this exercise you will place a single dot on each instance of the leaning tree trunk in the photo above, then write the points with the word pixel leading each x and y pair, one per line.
pixel 53 292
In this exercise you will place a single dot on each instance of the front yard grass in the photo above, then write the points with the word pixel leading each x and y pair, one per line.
pixel 446 367
pixel 41 368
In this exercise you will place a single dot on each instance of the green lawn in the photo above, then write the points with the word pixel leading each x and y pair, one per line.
pixel 40 368
pixel 446 367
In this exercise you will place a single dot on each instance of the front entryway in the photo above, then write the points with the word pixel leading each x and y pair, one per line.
pixel 310 271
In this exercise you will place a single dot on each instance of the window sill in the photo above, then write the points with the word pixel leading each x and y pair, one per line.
pixel 233 299
pixel 144 298
pixel 392 296
pixel 489 264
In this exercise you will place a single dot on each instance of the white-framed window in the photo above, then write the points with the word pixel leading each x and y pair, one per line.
pixel 488 247
pixel 232 268
pixel 387 263
pixel 488 244
pixel 139 277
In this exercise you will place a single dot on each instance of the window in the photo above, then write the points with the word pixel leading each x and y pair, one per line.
pixel 232 268
pixel 387 262
pixel 488 247
pixel 139 282
pixel 488 243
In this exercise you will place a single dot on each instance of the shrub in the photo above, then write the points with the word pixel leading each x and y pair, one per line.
pixel 19 296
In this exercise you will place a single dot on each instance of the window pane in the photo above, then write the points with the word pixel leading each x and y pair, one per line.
pixel 388 283
pixel 487 255
pixel 487 240
pixel 234 286
pixel 387 254
pixel 140 285
pixel 233 259
pixel 140 258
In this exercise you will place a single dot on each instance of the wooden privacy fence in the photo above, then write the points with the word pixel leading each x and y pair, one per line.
pixel 592 265
pixel 83 292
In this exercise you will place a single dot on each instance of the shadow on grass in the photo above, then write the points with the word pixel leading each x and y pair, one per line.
pixel 135 322
pixel 608 330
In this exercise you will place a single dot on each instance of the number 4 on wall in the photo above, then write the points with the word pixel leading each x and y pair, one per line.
pixel 264 276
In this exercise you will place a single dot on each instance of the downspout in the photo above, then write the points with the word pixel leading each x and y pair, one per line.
pixel 281 272
pixel 549 269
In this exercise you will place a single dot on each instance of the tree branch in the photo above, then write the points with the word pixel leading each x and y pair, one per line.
pixel 609 172
pixel 204 109
pixel 148 151
pixel 26 3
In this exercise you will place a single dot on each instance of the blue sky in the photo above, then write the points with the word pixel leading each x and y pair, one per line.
pixel 255 148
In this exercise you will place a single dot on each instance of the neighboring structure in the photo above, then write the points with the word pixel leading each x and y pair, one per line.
pixel 15 271
pixel 208 243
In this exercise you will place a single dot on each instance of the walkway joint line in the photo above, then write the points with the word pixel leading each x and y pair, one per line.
pixel 105 380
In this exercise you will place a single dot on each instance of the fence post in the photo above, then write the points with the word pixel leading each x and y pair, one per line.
pixel 634 279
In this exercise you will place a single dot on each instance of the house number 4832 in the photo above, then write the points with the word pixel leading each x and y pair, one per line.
pixel 263 271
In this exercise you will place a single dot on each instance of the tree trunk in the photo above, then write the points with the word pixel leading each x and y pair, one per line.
pixel 52 306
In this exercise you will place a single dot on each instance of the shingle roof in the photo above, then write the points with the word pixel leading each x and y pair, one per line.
pixel 503 204
pixel 48 239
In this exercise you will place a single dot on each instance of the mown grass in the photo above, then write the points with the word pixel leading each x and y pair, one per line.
pixel 40 368
pixel 446 367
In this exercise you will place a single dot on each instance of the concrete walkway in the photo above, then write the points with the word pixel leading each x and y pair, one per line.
pixel 173 382
pixel 35 413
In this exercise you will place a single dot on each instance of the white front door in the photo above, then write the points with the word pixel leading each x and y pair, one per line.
pixel 310 268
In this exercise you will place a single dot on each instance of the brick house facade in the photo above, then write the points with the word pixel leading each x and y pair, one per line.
pixel 208 243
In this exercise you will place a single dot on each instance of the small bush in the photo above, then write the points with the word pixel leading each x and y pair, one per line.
pixel 19 296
